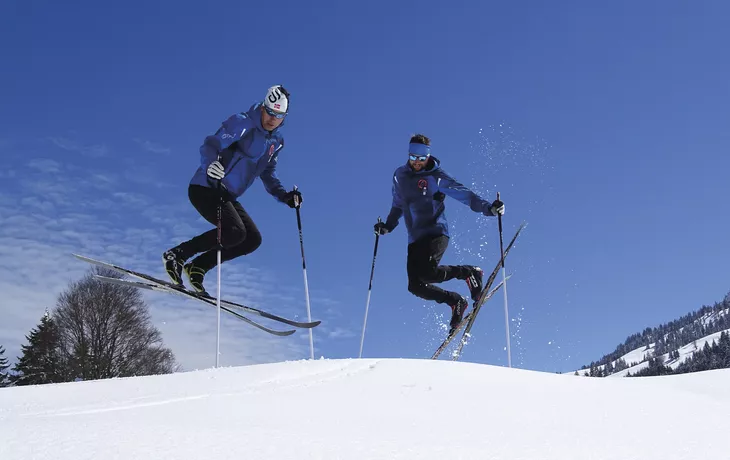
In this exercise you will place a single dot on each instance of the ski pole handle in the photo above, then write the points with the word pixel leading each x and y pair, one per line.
pixel 499 216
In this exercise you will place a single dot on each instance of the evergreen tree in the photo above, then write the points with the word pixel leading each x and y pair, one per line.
pixel 725 350
pixel 40 361
pixel 656 367
pixel 609 369
pixel 4 377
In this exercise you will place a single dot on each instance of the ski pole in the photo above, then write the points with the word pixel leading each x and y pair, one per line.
pixel 218 298
pixel 370 288
pixel 504 282
pixel 304 269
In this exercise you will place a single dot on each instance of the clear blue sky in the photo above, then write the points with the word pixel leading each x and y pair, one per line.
pixel 604 127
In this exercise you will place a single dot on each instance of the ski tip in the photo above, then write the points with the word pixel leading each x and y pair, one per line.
pixel 84 258
pixel 305 325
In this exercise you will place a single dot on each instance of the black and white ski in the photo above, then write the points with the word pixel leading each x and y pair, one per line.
pixel 183 292
pixel 152 283
pixel 469 319
pixel 463 322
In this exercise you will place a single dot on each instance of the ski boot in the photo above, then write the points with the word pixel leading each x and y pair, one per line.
pixel 174 261
pixel 457 313
pixel 195 276
pixel 474 281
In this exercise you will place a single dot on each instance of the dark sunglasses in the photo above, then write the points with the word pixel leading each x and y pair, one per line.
pixel 418 157
pixel 274 114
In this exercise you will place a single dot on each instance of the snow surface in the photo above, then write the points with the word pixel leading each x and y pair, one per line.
pixel 369 409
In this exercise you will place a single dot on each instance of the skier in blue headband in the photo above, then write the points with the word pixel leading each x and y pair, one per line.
pixel 419 189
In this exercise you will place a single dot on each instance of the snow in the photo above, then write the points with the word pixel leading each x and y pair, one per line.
pixel 366 409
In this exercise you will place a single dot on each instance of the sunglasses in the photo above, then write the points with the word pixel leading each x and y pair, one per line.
pixel 274 114
pixel 418 157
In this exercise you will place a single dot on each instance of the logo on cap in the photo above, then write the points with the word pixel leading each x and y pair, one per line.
pixel 275 96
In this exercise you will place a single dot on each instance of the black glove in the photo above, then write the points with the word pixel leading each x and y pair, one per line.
pixel 381 229
pixel 497 208
pixel 293 199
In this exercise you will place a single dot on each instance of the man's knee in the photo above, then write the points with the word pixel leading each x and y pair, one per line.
pixel 253 241
pixel 415 287
pixel 250 243
pixel 430 275
pixel 232 236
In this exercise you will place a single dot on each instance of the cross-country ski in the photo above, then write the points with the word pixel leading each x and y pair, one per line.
pixel 155 284
pixel 468 321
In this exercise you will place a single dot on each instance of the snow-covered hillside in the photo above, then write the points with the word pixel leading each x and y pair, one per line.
pixel 369 409
pixel 639 356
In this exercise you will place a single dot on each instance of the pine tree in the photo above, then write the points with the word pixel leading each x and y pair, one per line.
pixel 609 369
pixel 4 377
pixel 40 361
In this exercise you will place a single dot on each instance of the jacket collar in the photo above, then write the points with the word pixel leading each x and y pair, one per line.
pixel 254 113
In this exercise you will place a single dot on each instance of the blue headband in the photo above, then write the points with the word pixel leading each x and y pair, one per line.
pixel 419 149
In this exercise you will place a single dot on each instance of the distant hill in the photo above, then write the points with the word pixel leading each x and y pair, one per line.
pixel 695 342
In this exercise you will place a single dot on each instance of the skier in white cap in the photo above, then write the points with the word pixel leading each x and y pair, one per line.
pixel 245 147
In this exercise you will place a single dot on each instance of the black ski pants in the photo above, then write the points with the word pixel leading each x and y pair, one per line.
pixel 239 235
pixel 424 269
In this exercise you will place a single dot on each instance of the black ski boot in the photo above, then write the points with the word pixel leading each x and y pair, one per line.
pixel 457 313
pixel 195 276
pixel 173 260
pixel 474 281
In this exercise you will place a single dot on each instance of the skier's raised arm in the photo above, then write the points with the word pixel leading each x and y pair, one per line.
pixel 458 191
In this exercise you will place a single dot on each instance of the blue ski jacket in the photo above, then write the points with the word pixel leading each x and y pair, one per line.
pixel 247 151
pixel 419 198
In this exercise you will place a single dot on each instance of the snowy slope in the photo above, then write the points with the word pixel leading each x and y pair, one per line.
pixel 684 353
pixel 369 409
pixel 641 355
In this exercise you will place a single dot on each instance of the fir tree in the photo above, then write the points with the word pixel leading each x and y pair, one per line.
pixel 40 361
pixel 4 377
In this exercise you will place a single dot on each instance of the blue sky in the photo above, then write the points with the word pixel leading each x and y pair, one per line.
pixel 604 127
